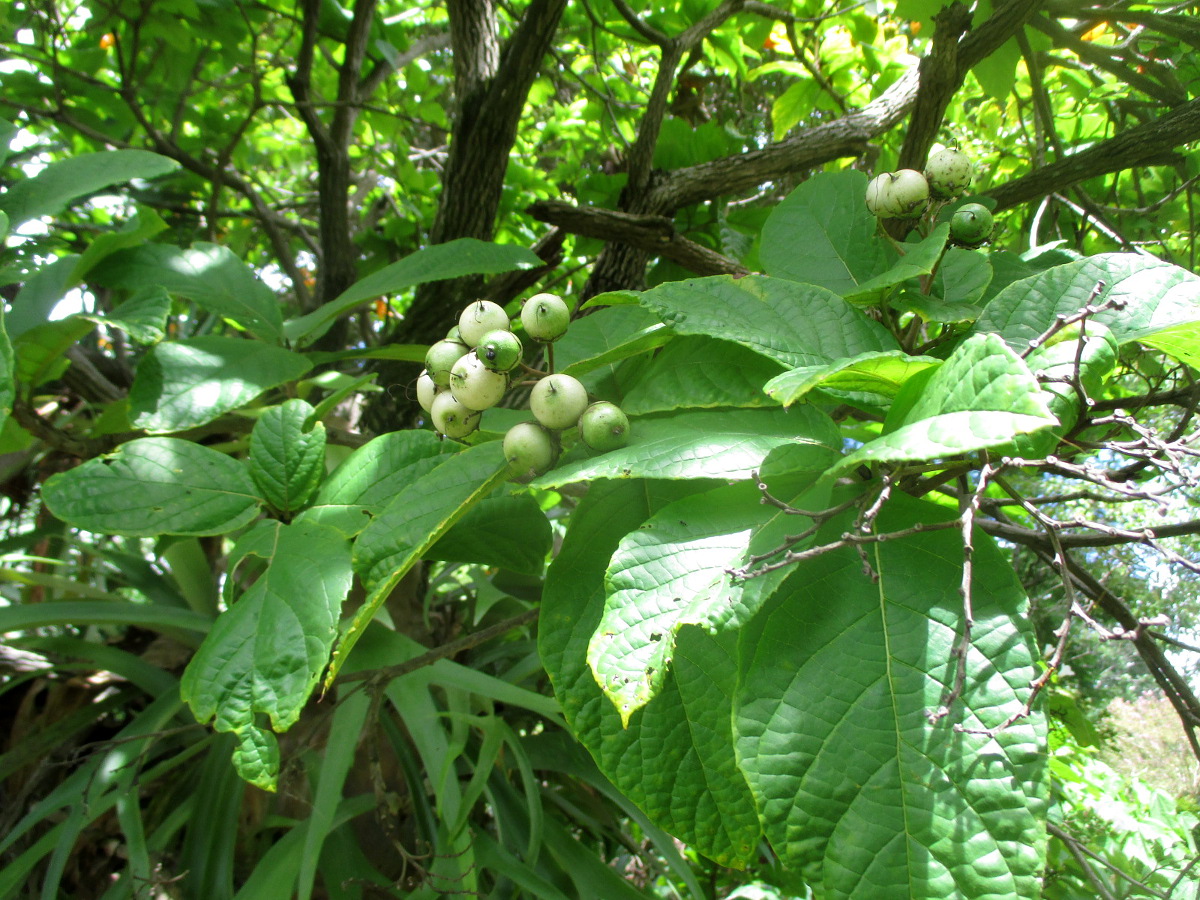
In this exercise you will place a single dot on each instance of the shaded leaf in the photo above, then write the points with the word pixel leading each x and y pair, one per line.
pixel 181 384
pixel 417 517
pixel 509 532
pixel 701 372
pixel 464 256
pixel 823 234
pixel 143 316
pixel 155 486
pixel 65 180
pixel 675 760
pixel 207 274
pixel 266 652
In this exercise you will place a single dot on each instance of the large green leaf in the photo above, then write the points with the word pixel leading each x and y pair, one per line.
pixel 265 653
pixel 62 181
pixel 371 477
pixel 675 760
pixel 982 396
pixel 701 372
pixel 208 274
pixel 40 352
pixel 920 258
pixel 838 675
pixel 465 256
pixel 155 486
pixel 880 375
pixel 1179 341
pixel 287 456
pixel 607 336
pixel 678 569
pixel 1152 296
pixel 143 316
pixel 40 293
pixel 181 384
pixel 727 444
pixel 509 531
pixel 419 514
pixel 135 232
pixel 823 234
pixel 795 324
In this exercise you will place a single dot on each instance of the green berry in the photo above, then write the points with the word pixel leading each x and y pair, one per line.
pixel 441 357
pixel 499 351
pixel 948 173
pixel 971 224
pixel 604 426
pixel 474 385
pixel 545 317
pixel 529 449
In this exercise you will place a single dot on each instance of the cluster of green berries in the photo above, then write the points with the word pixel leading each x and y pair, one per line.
pixel 906 194
pixel 471 369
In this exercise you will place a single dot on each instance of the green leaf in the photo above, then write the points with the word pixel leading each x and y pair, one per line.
pixel 677 569
pixel 919 259
pixel 465 256
pixel 1181 342
pixel 878 374
pixel 823 234
pixel 40 352
pixel 982 396
pixel 138 230
pixel 701 372
pixel 371 477
pixel 65 180
pixel 858 789
pixel 1152 295
pixel 181 384
pixel 795 324
pixel 143 316
pixel 40 294
pixel 675 760
pixel 208 274
pixel 703 444
pixel 997 72
pixel 509 532
pixel 287 458
pixel 155 486
pixel 266 652
pixel 417 517
pixel 606 337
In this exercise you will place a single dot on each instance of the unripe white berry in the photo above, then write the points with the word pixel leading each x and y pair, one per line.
pixel 948 173
pixel 557 401
pixel 480 317
pixel 474 385
pixel 451 418
pixel 604 426
pixel 427 389
pixel 440 359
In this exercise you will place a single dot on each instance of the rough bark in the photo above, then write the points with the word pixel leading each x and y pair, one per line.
pixel 480 143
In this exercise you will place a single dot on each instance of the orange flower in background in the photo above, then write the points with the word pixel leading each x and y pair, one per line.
pixel 107 40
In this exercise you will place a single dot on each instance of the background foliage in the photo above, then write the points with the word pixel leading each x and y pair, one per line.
pixel 231 230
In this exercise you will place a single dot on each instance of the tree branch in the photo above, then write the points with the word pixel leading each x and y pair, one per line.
pixel 654 234
pixel 1152 143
